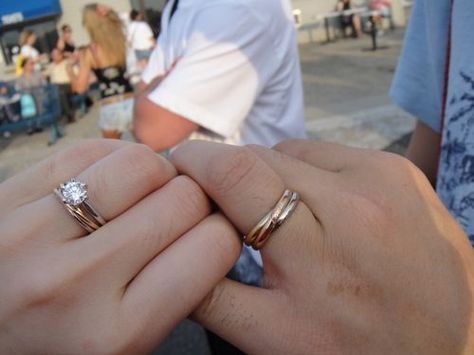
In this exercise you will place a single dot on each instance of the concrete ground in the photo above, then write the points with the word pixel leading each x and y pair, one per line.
pixel 346 101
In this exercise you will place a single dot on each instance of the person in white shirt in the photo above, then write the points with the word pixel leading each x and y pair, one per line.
pixel 140 38
pixel 227 71
pixel 223 70
pixel 27 41
pixel 28 51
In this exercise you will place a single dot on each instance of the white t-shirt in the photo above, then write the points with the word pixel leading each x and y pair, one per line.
pixel 236 72
pixel 140 35
pixel 28 51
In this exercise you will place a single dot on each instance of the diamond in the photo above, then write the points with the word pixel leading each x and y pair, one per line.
pixel 73 192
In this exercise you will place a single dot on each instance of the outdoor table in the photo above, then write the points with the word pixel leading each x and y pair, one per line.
pixel 336 14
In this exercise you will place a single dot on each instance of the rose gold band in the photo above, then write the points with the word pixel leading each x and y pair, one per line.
pixel 87 217
pixel 259 235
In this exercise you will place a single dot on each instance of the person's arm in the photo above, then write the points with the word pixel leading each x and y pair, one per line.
pixel 80 81
pixel 419 81
pixel 424 149
pixel 156 127
pixel 61 44
pixel 213 85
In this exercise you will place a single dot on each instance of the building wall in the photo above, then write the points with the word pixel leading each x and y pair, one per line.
pixel 72 15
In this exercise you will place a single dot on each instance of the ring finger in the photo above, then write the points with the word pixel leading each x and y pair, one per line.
pixel 115 183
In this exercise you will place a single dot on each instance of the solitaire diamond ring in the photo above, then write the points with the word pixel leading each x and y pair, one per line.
pixel 73 195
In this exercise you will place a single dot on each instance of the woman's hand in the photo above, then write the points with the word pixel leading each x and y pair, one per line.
pixel 369 263
pixel 122 288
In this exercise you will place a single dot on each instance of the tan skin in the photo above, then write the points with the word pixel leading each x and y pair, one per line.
pixel 369 263
pixel 111 292
pixel 80 81
pixel 424 150
pixel 155 126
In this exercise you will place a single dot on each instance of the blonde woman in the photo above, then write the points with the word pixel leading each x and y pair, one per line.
pixel 105 57
pixel 27 42
pixel 28 51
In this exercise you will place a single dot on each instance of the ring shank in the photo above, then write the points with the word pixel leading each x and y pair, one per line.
pixel 259 235
pixel 84 213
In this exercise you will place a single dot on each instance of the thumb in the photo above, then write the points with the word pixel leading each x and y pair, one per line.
pixel 245 316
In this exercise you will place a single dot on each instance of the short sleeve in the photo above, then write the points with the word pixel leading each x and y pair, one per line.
pixel 155 66
pixel 146 31
pixel 418 85
pixel 227 60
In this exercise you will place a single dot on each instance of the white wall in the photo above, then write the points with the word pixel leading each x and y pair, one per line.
pixel 72 15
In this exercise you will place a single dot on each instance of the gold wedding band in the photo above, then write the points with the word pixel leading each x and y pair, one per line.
pixel 259 235
pixel 73 195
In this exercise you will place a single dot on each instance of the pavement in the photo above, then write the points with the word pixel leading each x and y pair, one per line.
pixel 346 101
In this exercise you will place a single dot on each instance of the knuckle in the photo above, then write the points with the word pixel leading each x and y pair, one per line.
pixel 226 243
pixel 143 164
pixel 373 214
pixel 228 171
pixel 397 167
pixel 287 144
pixel 292 147
pixel 86 150
pixel 191 199
pixel 138 157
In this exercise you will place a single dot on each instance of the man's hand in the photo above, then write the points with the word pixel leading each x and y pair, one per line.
pixel 369 263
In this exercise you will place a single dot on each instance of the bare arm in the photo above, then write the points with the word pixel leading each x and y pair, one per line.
pixel 80 82
pixel 424 150
pixel 60 45
pixel 154 125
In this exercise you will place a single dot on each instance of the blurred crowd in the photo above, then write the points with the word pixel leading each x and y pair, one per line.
pixel 121 47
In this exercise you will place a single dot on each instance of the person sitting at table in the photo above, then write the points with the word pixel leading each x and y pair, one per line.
pixel 384 9
pixel 351 20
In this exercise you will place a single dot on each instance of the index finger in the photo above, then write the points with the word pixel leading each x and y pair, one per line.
pixel 323 155
pixel 246 189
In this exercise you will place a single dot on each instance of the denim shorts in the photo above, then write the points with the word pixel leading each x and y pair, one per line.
pixel 142 54
pixel 117 116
